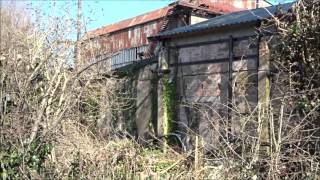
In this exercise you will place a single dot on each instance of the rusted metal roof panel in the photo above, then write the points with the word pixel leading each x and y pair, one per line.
pixel 141 19
pixel 134 32
pixel 136 36
pixel 132 37
pixel 206 5
pixel 236 18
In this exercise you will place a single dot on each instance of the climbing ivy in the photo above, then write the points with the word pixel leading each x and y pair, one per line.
pixel 169 101
pixel 14 159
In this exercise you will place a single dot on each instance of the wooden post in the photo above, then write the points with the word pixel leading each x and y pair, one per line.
pixel 264 92
pixel 198 154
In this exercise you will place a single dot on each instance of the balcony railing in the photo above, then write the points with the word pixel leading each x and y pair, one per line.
pixel 127 56
pixel 121 58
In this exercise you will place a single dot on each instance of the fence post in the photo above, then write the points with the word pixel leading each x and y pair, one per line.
pixel 263 67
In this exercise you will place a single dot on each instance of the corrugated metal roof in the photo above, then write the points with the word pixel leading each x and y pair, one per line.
pixel 215 8
pixel 147 17
pixel 246 16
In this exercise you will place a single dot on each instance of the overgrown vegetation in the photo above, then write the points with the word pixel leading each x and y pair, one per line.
pixel 296 99
pixel 284 141
pixel 58 123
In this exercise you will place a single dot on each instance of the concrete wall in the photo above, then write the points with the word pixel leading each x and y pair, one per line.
pixel 199 66
pixel 138 113
pixel 146 101
pixel 201 70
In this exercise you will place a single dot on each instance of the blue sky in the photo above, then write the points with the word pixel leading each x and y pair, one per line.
pixel 98 13
pixel 104 12
pixel 95 13
pixel 110 11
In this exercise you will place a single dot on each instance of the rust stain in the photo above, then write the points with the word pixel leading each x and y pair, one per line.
pixel 133 32
pixel 138 20
pixel 208 5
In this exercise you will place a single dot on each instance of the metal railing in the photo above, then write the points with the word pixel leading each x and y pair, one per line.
pixel 121 58
pixel 127 56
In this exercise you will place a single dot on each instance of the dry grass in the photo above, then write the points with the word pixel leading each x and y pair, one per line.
pixel 43 111
pixel 80 154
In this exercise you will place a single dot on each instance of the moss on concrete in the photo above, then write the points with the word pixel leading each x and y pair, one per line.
pixel 169 102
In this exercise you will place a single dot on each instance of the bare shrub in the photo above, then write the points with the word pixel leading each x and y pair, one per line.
pixel 290 117
pixel 57 122
pixel 40 91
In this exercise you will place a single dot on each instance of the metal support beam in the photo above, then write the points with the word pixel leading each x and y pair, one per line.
pixel 213 61
pixel 225 40
pixel 230 91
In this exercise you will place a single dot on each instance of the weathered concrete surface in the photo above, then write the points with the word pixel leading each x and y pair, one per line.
pixel 200 53
pixel 145 100
pixel 245 47
pixel 202 69
pixel 139 117
pixel 160 111
pixel 201 88
pixel 203 83
pixel 224 33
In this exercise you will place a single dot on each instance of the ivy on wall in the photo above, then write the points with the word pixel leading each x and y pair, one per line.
pixel 169 101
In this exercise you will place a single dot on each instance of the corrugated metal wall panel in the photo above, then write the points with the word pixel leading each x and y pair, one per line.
pixel 132 37
pixel 136 36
